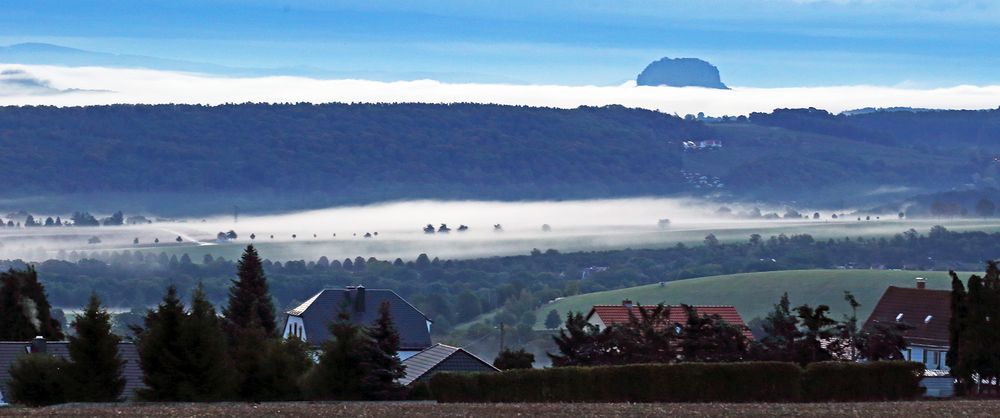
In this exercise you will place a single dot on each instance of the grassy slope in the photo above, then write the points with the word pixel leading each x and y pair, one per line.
pixel 754 294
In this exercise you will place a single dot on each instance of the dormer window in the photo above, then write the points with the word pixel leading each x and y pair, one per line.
pixel 899 317
pixel 927 320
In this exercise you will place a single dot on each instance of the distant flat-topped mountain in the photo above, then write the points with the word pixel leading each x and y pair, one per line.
pixel 681 72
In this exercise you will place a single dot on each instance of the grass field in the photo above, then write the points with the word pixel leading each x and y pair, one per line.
pixel 426 409
pixel 754 294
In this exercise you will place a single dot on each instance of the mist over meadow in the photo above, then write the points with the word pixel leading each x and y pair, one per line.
pixel 397 230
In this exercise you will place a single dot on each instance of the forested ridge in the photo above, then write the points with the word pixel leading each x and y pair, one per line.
pixel 180 159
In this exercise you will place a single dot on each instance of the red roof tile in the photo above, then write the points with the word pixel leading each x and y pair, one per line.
pixel 619 314
pixel 929 311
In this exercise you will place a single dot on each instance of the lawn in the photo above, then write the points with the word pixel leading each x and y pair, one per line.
pixel 754 294
pixel 428 409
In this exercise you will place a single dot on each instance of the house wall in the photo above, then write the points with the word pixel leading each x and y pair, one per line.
pixel 294 326
pixel 932 357
pixel 596 320
pixel 939 386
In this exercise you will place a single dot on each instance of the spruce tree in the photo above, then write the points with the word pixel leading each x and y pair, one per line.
pixel 956 325
pixel 340 369
pixel 249 323
pixel 250 303
pixel 161 352
pixel 285 363
pixel 383 367
pixel 96 367
pixel 207 372
pixel 14 324
pixel 24 308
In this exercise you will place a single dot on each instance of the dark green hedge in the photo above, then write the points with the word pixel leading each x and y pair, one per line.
pixel 691 382
pixel 877 381
pixel 688 382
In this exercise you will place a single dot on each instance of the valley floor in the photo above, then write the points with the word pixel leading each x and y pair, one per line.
pixel 987 408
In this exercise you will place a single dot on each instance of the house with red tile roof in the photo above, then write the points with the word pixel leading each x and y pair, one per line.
pixel 928 312
pixel 605 315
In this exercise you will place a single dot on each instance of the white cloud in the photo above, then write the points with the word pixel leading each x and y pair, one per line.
pixel 149 86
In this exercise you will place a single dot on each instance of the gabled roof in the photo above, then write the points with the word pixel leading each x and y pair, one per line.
pixel 619 314
pixel 442 357
pixel 10 351
pixel 928 311
pixel 319 311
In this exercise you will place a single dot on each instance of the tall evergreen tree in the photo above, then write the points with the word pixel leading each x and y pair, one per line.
pixel 97 366
pixel 250 303
pixel 340 369
pixel 249 323
pixel 25 311
pixel 956 325
pixel 161 352
pixel 383 367
pixel 207 372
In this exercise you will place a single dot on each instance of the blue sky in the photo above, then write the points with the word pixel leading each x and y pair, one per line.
pixel 760 43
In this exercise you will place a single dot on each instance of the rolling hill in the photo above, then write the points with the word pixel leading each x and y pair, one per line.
pixel 754 294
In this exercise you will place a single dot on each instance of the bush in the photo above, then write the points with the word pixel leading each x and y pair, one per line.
pixel 876 381
pixel 40 379
pixel 692 382
pixel 688 382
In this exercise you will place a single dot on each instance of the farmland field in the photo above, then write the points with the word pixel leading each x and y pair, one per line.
pixel 428 409
pixel 754 294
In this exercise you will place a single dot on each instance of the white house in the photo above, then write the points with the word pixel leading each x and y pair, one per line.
pixel 311 320
pixel 928 312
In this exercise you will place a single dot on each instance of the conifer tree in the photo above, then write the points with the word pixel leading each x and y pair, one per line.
pixel 340 370
pixel 383 367
pixel 286 362
pixel 250 303
pixel 207 371
pixel 249 323
pixel 959 315
pixel 96 368
pixel 161 352
pixel 24 308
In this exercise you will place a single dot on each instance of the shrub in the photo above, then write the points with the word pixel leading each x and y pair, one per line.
pixel 691 382
pixel 876 381
pixel 39 379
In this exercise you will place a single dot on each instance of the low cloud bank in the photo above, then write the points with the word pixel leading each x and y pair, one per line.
pixel 66 86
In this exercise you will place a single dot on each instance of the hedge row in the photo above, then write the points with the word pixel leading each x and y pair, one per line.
pixel 876 381
pixel 687 382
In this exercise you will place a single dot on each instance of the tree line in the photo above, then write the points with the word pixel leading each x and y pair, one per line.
pixel 457 291
pixel 803 335
pixel 196 354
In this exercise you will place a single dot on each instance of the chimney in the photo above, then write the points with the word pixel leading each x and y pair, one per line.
pixel 359 299
pixel 38 345
pixel 921 283
pixel 627 303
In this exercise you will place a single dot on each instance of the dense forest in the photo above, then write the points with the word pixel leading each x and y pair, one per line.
pixel 456 291
pixel 185 159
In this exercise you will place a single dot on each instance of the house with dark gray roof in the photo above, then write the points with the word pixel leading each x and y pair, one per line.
pixel 11 351
pixel 311 320
pixel 442 358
